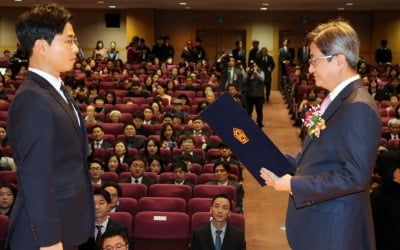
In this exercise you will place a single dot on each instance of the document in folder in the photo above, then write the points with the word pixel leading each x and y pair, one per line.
pixel 246 140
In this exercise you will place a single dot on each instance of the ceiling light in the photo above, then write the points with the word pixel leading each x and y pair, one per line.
pixel 112 6
pixel 182 3
pixel 340 8
pixel 17 0
pixel 349 4
pixel 263 8
pixel 100 2
pixel 265 4
pixel 188 7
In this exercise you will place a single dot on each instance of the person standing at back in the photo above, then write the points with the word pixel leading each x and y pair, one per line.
pixel 54 208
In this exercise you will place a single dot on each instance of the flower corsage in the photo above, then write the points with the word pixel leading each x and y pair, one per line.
pixel 313 121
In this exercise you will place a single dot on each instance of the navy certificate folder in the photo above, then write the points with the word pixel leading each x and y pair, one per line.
pixel 246 140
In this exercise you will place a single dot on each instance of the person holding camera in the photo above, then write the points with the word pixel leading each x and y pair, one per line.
pixel 255 91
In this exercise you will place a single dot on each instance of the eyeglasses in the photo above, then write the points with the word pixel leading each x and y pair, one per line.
pixel 136 165
pixel 312 61
pixel 96 169
pixel 117 246
pixel 70 41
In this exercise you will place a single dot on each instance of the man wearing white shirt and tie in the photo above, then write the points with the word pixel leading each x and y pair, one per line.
pixel 219 234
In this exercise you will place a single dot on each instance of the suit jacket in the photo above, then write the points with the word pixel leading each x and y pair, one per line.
pixel 203 133
pixel 185 182
pixel 303 54
pixel 51 179
pixel 195 158
pixel 330 206
pixel 111 226
pixel 288 55
pixel 239 193
pixel 388 136
pixel 267 66
pixel 226 79
pixel 233 239
pixel 105 144
pixel 146 181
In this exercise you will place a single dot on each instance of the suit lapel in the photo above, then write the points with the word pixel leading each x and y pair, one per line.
pixel 333 107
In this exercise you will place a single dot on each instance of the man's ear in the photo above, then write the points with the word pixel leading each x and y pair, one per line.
pixel 40 46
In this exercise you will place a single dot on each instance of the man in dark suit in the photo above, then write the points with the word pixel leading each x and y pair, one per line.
pixel 254 52
pixel 130 138
pixel 54 208
pixel 219 234
pixel 137 168
pixel 383 55
pixel 222 172
pixel 187 146
pixel 102 203
pixel 226 156
pixel 115 191
pixel 197 125
pixel 267 64
pixel 286 56
pixel 329 203
pixel 98 138
pixel 303 54
pixel 394 130
pixel 231 74
pixel 179 170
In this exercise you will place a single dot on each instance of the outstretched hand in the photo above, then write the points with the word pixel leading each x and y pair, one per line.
pixel 278 183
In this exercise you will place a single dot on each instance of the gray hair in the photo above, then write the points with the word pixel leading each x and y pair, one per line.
pixel 336 37
pixel 392 122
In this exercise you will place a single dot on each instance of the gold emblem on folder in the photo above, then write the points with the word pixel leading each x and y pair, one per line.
pixel 240 135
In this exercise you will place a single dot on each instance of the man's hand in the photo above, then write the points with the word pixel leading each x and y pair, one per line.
pixel 57 246
pixel 278 183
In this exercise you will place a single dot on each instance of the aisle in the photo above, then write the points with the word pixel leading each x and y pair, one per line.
pixel 264 208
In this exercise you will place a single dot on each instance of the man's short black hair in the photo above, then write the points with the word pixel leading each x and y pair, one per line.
pixel 98 161
pixel 41 22
pixel 4 184
pixel 104 193
pixel 114 185
pixel 112 232
pixel 222 195
pixel 177 165
pixel 225 165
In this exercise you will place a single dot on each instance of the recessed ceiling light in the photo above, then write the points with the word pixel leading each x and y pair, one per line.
pixel 182 3
pixel 349 4
pixel 263 8
pixel 265 4
pixel 188 7
pixel 100 2
pixel 340 8
pixel 112 6
pixel 17 0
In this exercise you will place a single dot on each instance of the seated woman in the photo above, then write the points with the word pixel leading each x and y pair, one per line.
pixel 110 97
pixel 168 136
pixel 113 164
pixel 161 93
pixel 115 116
pixel 121 150
pixel 155 165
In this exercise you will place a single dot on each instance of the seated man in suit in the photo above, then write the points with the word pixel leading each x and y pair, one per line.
pixel 96 170
pixel 115 191
pixel 226 156
pixel 113 239
pixel 394 127
pixel 222 171
pixel 198 125
pixel 98 138
pixel 219 234
pixel 130 138
pixel 187 146
pixel 137 168
pixel 179 170
pixel 104 224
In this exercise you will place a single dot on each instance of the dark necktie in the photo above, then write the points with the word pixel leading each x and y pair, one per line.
pixel 218 242
pixel 98 236
pixel 136 181
pixel 67 96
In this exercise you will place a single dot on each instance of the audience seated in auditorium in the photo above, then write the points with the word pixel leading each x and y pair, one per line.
pixel 103 223
pixel 96 170
pixel 138 120
pixel 115 191
pixel 121 150
pixel 137 168
pixel 115 116
pixel 219 234
pixel 8 193
pixel 155 165
pixel 98 138
pixel 187 145
pixel 222 172
pixel 179 170
pixel 197 123
pixel 113 164
pixel 394 130
pixel 168 136
pixel 130 138
pixel 136 91
pixel 391 88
